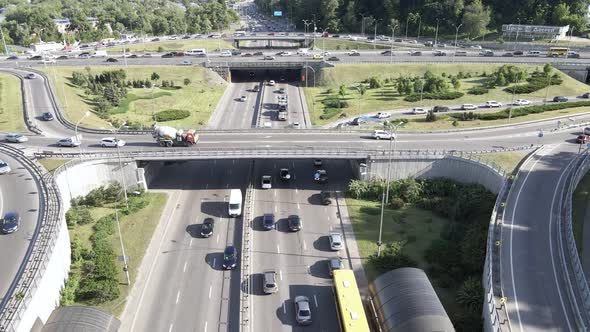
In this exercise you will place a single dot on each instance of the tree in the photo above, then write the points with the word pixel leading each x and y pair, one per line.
pixel 155 76
pixel 187 81
pixel 470 294
pixel 456 83
pixel 342 90
pixel 328 10
pixel 476 18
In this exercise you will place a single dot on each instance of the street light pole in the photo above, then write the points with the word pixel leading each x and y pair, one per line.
pixel 419 26
pixel 121 163
pixel 375 35
pixel 407 20
pixel 77 123
pixel 569 44
pixel 456 35
pixel 436 34
pixel 392 38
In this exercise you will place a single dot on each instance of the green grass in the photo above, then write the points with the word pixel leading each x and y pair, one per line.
pixel 343 44
pixel 418 227
pixel 11 105
pixel 387 98
pixel 51 164
pixel 580 205
pixel 505 160
pixel 137 230
pixel 200 97
pixel 173 45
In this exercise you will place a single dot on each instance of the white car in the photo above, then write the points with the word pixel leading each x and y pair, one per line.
pixel 418 110
pixel 335 241
pixel 521 102
pixel 243 98
pixel 382 115
pixel 186 63
pixel 351 52
pixel 225 54
pixel 16 138
pixel 271 83
pixel 468 107
pixel 111 142
pixel 285 53
pixel 30 76
pixel 47 61
pixel 493 103
pixel 4 168
pixel 266 182
pixel 382 134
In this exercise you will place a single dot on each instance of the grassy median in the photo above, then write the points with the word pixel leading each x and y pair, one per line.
pixel 199 97
pixel 11 105
pixel 173 45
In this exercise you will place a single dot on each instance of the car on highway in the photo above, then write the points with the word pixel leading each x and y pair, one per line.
pixel 320 176
pixel 317 57
pixel 46 116
pixel 533 53
pixel 112 142
pixel 334 263
pixel 318 162
pixel 521 102
pixel 382 115
pixel 302 310
pixel 68 142
pixel 493 103
pixel 326 197
pixel 236 52
pixel 4 167
pixel 111 60
pixel 243 98
pixel 467 107
pixel 268 57
pixel 281 91
pixel 284 53
pixel 15 138
pixel 30 76
pixel 269 282
pixel 257 53
pixel 256 88
pixel 439 108
pixel 167 55
pixel 335 241
pixel 439 53
pixel 225 54
pixel 333 58
pixel 572 55
pixel 37 57
pixel 268 221
pixel 284 174
pixel 418 110
pixel 582 139
pixel 560 99
pixel 585 95
pixel 508 54
pixel 207 227
pixel 266 182
pixel 486 53
pixel 415 53
pixel 146 55
pixel 295 223
pixel 12 57
pixel 353 53
pixel 230 257
pixel 271 83
pixel 382 134
pixel 247 55
pixel 47 61
pixel 388 53
pixel 186 63
pixel 9 224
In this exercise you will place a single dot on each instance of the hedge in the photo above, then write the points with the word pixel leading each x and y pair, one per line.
pixel 169 115
pixel 516 112
pixel 478 90
pixel 448 95
pixel 535 83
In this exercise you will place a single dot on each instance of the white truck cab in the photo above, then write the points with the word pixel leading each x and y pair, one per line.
pixel 235 203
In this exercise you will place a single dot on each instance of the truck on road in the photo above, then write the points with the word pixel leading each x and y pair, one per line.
pixel 169 136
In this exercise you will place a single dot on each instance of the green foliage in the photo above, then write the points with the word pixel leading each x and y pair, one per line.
pixel 78 215
pixel 329 113
pixel 448 95
pixel 68 293
pixel 430 116
pixel 392 257
pixel 536 82
pixel 470 294
pixel 187 81
pixel 155 76
pixel 477 90
pixel 517 112
pixel 170 115
pixel 375 82
pixel 99 196
pixel 335 103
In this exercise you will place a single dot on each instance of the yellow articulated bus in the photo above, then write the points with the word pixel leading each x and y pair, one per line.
pixel 349 306
pixel 557 51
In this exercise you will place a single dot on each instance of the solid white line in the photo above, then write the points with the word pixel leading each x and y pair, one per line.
pixel 177 297
pixel 281 274
pixel 298 206
pixel 205 329
pixel 214 262
pixel 304 246
pixel 284 308
pixel 278 250
pixel 316 301
pixel 190 243
pixel 217 238
pixel 154 264
pixel 1 203
pixel 170 329
pixel 184 268
pixel 210 288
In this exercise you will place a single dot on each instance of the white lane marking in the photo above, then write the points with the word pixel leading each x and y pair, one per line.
pixel 190 243
pixel 184 268
pixel 206 186
pixel 316 301
pixel 304 246
pixel 210 289
pixel 154 264
pixel 298 206
pixel 284 308
pixel 171 326
pixel 205 329
pixel 278 250
pixel 281 274
pixel 217 238
pixel 177 297
pixel 1 204
pixel 276 208
pixel 296 190
pixel 275 193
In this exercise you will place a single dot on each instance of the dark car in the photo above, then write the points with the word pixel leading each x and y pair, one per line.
pixel 168 55
pixel 326 197
pixel 62 57
pixel 12 57
pixel 295 224
pixel 320 176
pixel 284 174
pixel 36 57
pixel 415 53
pixel 333 58
pixel 508 54
pixel 582 139
pixel 268 221
pixel 133 56
pixel 236 52
pixel 387 52
pixel 207 227
pixel 247 55
pixel 354 54
pixel 440 109
pixel 10 223
pixel 586 95
pixel 335 263
pixel 518 53
pixel 178 53
pixel 256 88
pixel 559 99
pixel 230 257
pixel 47 116
pixel 258 53
pixel 112 60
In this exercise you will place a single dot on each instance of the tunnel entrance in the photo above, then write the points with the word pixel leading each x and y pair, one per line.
pixel 257 75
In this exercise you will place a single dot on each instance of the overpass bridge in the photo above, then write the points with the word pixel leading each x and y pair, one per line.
pixel 304 70
pixel 273 41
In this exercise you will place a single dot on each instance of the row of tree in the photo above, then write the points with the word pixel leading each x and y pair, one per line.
pixel 27 23
pixel 421 17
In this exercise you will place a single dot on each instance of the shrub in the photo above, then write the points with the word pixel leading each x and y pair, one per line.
pixel 430 116
pixel 375 82
pixel 187 81
pixel 396 203
pixel 170 115
pixel 477 90
pixel 446 95
pixel 160 49
pixel 391 258
pixel 455 123
pixel 335 103
pixel 329 113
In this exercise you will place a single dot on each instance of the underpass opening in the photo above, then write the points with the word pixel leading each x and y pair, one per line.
pixel 257 75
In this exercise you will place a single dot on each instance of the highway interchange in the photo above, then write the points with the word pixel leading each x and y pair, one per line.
pixel 183 286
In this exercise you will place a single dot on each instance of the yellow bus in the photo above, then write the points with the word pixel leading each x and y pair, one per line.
pixel 557 51
pixel 349 306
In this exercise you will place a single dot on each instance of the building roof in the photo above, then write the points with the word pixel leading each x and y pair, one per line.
pixel 81 319
pixel 405 301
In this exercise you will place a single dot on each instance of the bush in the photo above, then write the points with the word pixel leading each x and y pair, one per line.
pixel 446 95
pixel 522 111
pixel 375 82
pixel 335 103
pixel 396 203
pixel 78 215
pixel 477 90
pixel 329 113
pixel 430 116
pixel 391 258
pixel 170 115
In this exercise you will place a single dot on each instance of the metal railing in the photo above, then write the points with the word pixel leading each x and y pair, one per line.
pixel 246 265
pixel 43 241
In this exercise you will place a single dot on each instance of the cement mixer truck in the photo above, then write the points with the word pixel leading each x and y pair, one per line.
pixel 168 136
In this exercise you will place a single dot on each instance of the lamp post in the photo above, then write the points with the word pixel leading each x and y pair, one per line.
pixel 306 23
pixel 517 30
pixel 324 41
pixel 77 123
pixel 456 35
pixel 385 198
pixel 313 71
pixel 407 20
pixel 360 95
pixel 570 42
pixel 419 25
pixel 115 131
pixel 375 34
pixel 392 38
pixel 436 34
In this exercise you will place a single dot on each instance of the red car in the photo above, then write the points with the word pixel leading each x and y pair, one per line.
pixel 582 139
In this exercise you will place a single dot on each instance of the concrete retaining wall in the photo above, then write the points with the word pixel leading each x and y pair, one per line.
pixel 458 169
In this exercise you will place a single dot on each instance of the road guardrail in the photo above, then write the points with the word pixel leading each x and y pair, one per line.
pixel 246 264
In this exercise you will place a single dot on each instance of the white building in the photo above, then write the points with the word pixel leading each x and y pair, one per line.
pixel 62 24
pixel 534 31
pixel 47 47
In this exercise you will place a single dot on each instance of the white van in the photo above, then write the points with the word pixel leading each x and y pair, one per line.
pixel 235 203
pixel 197 52
pixel 534 53
pixel 100 54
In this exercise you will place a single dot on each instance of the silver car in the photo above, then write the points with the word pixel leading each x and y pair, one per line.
pixel 302 310
pixel 4 168
pixel 69 142
pixel 270 282
pixel 335 241
pixel 16 138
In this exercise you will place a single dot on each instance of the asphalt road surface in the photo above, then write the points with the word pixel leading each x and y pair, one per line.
pixel 18 193
pixel 300 259
pixel 237 114
pixel 187 288
pixel 269 113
